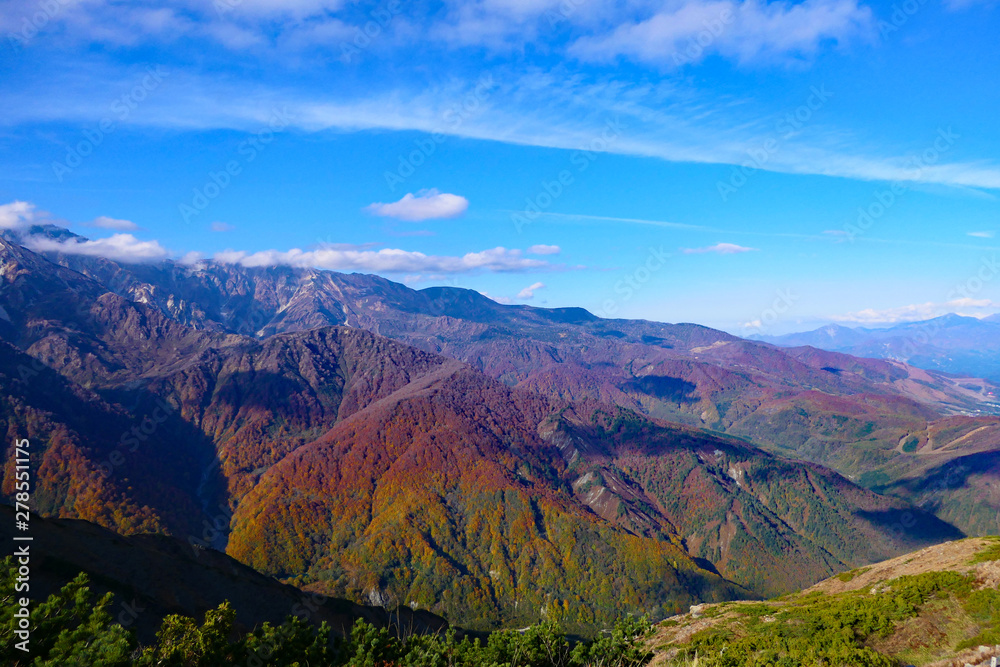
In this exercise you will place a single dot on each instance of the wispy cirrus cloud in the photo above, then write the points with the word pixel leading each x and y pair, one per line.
pixel 425 205
pixel 559 107
pixel 658 121
pixel 718 249
pixel 983 234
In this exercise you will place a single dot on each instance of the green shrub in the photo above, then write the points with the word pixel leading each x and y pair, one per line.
pixel 827 629
pixel 852 574
pixel 990 553
pixel 71 630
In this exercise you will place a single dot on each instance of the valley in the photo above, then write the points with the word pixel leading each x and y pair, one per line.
pixel 483 462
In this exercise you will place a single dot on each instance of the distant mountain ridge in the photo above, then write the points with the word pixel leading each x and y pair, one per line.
pixel 950 343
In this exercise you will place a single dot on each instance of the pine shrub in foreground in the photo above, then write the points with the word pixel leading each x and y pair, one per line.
pixel 71 629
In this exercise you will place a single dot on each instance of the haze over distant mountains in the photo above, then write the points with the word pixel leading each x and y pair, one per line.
pixel 486 462
pixel 951 343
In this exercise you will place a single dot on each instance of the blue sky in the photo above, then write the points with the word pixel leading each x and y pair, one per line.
pixel 759 167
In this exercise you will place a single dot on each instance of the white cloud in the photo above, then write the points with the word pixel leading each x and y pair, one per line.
pixel 298 8
pixel 505 300
pixel 505 25
pixel 921 311
pixel 543 249
pixel 529 292
pixel 745 31
pixel 17 215
pixel 388 260
pixel 275 27
pixel 221 227
pixel 983 235
pixel 333 256
pixel 425 205
pixel 233 24
pixel 119 247
pixel 718 249
pixel 104 222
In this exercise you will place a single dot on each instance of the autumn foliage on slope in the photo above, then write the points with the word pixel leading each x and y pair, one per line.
pixel 87 461
pixel 363 466
pixel 480 502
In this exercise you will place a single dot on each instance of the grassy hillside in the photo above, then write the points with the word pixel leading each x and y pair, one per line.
pixel 938 607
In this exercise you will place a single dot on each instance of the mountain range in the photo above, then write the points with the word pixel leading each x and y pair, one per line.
pixel 489 463
pixel 950 343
